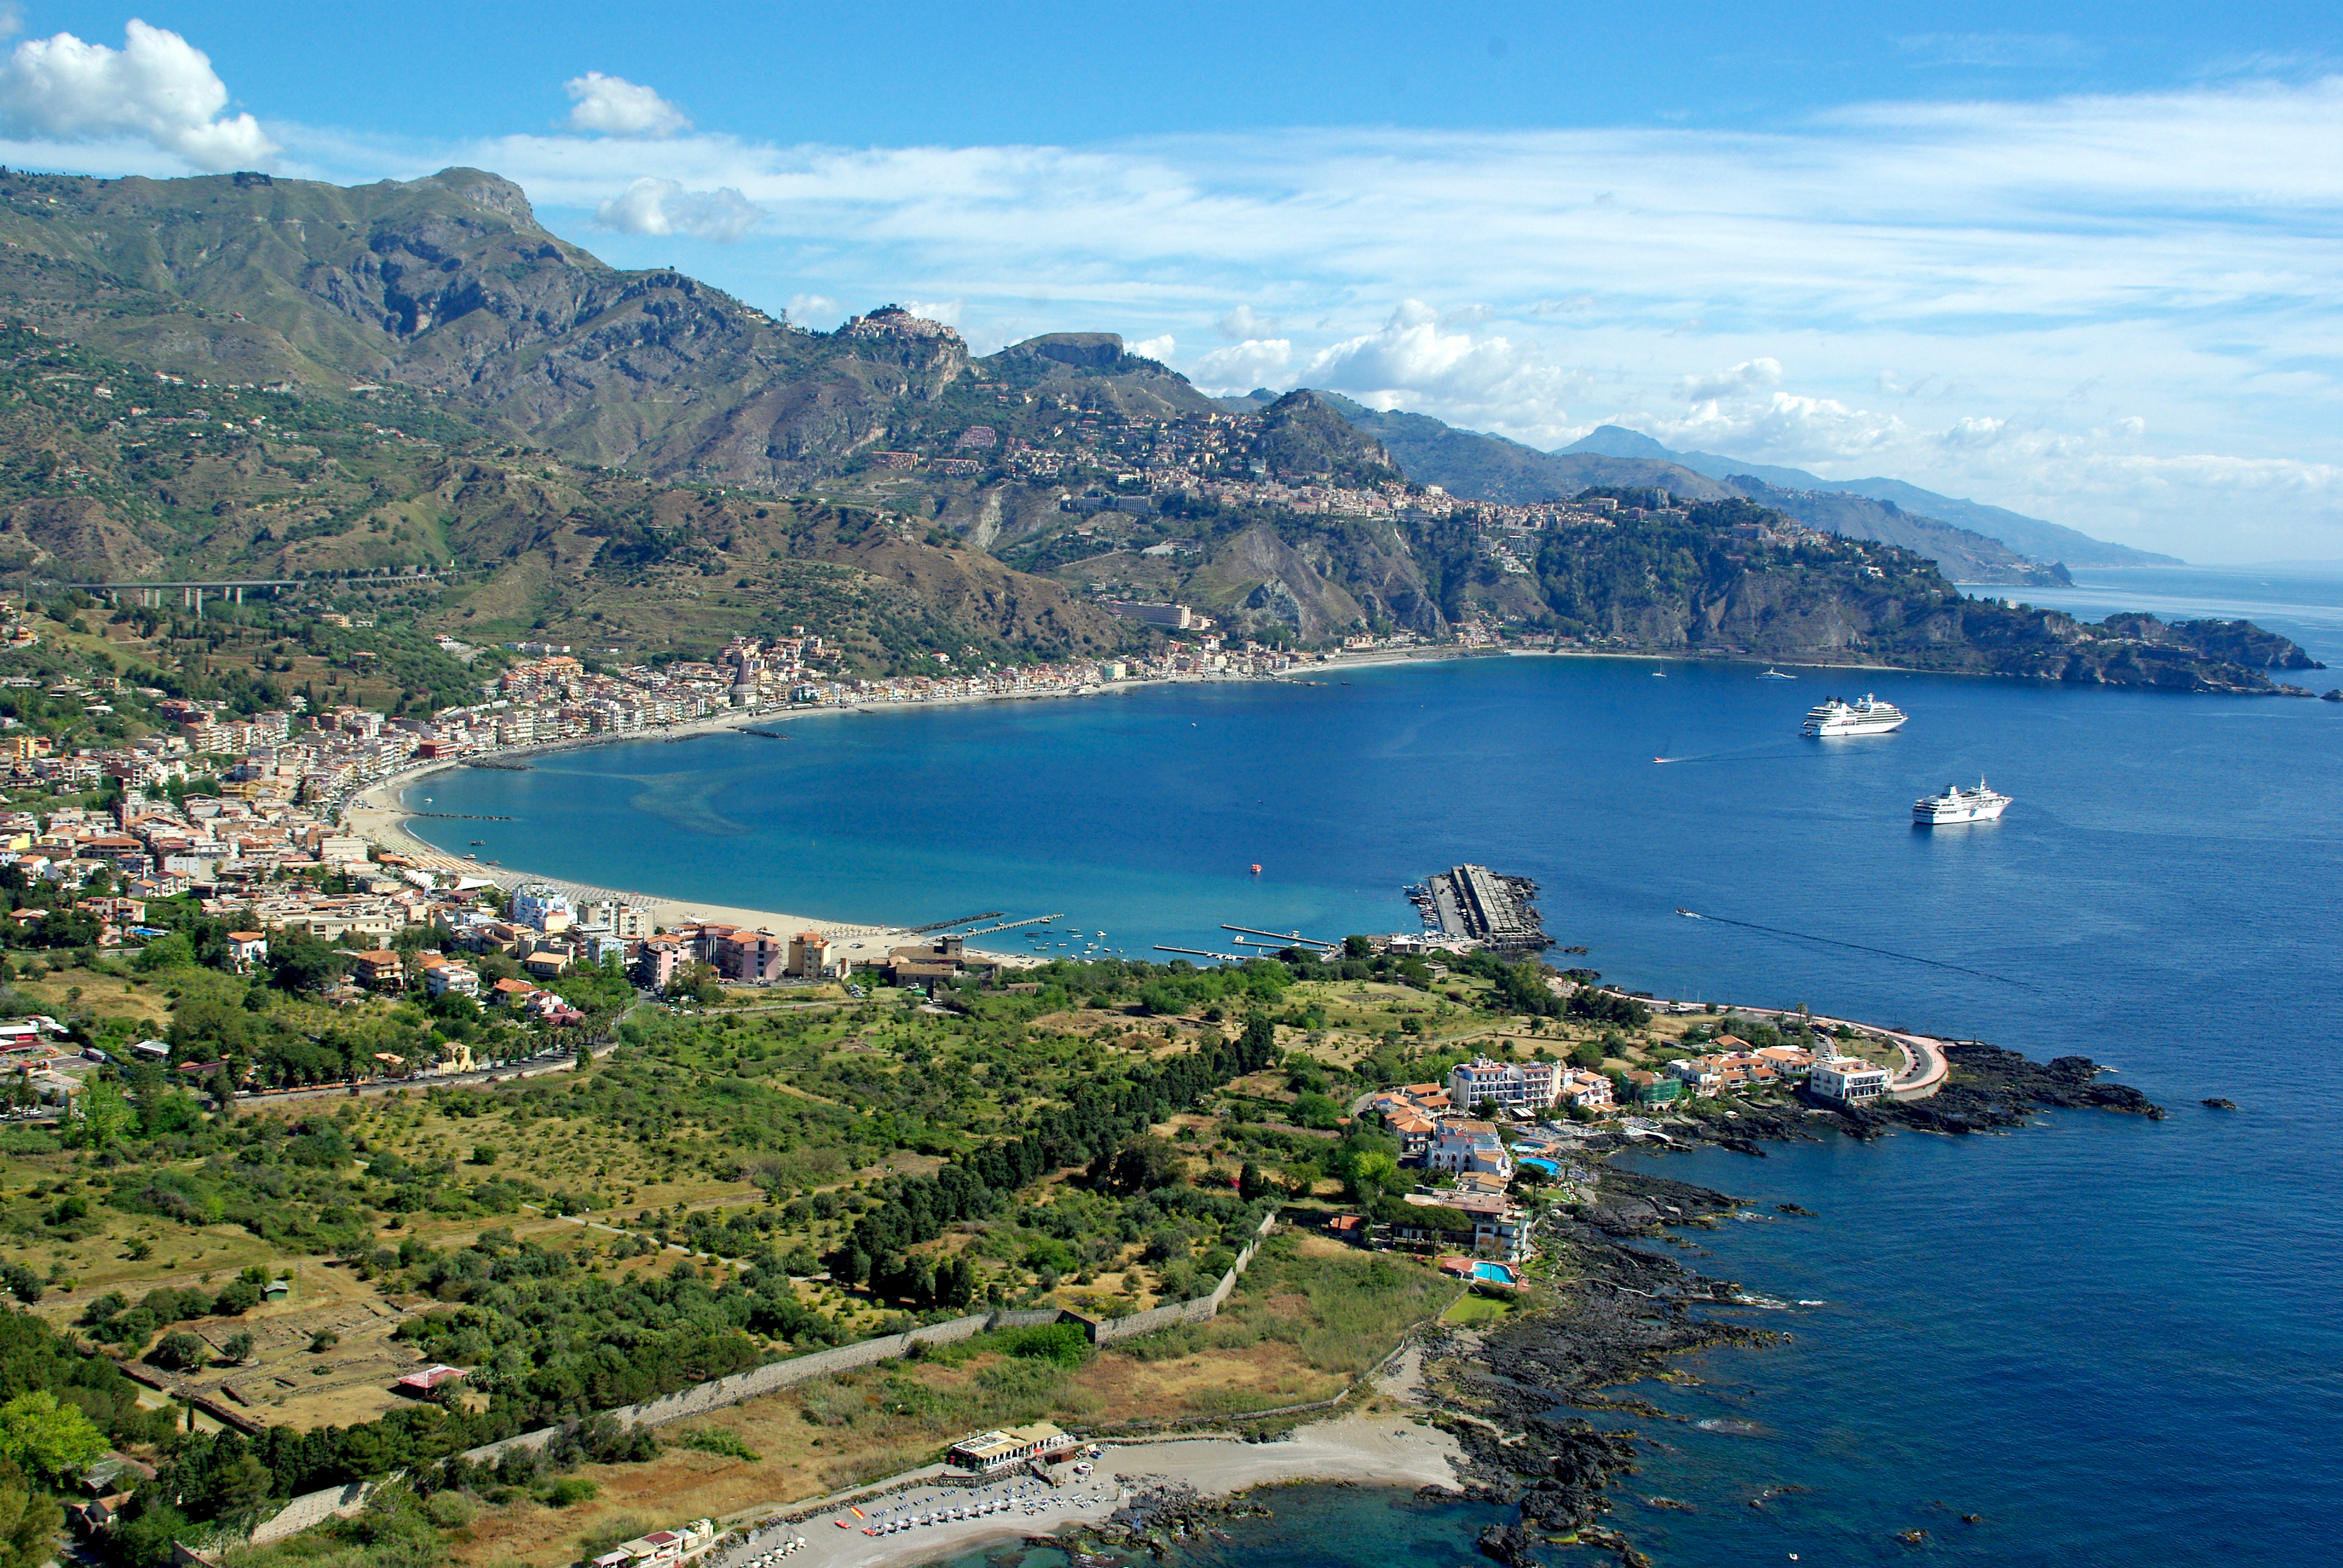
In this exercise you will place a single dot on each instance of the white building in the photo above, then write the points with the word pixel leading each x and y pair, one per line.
pixel 1586 1091
pixel 461 979
pixel 1508 1085
pixel 544 908
pixel 1467 1146
pixel 624 921
pixel 1847 1079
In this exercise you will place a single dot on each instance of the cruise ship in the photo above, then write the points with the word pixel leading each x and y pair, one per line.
pixel 1868 717
pixel 1981 804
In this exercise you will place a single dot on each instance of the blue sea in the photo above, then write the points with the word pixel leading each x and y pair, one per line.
pixel 2113 1340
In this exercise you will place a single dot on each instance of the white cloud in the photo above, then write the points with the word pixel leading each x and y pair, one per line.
pixel 816 309
pixel 1244 322
pixel 1749 376
pixel 2013 264
pixel 1158 348
pixel 157 88
pixel 947 311
pixel 12 19
pixel 1242 367
pixel 1412 363
pixel 618 107
pixel 663 206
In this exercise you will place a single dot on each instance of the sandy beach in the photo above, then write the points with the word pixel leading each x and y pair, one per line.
pixel 1384 1450
pixel 1381 1448
pixel 380 813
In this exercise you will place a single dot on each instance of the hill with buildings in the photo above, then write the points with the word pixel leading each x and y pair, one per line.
pixel 240 376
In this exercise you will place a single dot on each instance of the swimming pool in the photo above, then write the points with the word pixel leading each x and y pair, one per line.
pixel 1497 1272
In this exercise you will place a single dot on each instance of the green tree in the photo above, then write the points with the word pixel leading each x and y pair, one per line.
pixel 180 1351
pixel 28 1526
pixel 174 951
pixel 1251 1183
pixel 1318 1110
pixel 1372 1173
pixel 99 1115
pixel 38 1433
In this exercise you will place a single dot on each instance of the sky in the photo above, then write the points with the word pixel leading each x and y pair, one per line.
pixel 2080 261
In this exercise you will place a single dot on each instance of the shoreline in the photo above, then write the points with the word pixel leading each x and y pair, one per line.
pixel 1360 1449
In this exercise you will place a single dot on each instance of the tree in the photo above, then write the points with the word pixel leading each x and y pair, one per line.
pixel 179 1352
pixel 302 962
pixel 239 1348
pixel 38 1433
pixel 1371 1173
pixel 1318 1110
pixel 174 951
pixel 1251 1184
pixel 28 1526
pixel 98 1116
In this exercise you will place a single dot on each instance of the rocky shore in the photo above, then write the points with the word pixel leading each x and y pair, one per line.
pixel 1517 1397
pixel 1988 1088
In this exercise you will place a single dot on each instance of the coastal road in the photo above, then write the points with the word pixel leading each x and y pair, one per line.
pixel 1925 1067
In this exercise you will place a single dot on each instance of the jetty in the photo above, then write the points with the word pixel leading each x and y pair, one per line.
pixel 1482 906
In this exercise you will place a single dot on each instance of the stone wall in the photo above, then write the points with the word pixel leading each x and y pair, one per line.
pixel 313 1508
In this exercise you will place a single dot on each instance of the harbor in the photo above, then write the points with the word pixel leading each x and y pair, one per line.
pixel 1473 903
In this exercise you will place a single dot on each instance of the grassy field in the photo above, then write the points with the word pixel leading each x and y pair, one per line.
pixel 1310 1316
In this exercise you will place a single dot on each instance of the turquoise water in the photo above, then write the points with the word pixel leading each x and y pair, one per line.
pixel 2113 1339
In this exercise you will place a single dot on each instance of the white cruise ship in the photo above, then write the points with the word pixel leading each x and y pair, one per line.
pixel 1868 717
pixel 1981 804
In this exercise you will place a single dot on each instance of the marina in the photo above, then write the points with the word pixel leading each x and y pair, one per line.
pixel 1476 904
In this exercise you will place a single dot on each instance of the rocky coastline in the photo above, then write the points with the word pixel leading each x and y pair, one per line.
pixel 1522 1397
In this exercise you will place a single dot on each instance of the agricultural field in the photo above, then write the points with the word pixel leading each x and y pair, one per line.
pixel 727 1187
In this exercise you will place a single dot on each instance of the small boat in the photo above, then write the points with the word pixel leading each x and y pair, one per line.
pixel 480 843
pixel 1772 674
pixel 1687 914
pixel 1659 675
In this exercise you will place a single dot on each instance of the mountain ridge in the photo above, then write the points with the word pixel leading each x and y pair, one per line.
pixel 2044 541
pixel 241 375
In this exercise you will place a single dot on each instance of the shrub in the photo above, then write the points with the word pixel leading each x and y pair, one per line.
pixel 720 1439
pixel 179 1352
pixel 1064 1343
pixel 569 1490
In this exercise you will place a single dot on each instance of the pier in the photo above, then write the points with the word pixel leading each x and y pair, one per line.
pixel 1489 908
pixel 1294 939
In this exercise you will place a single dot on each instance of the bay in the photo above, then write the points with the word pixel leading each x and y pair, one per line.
pixel 2112 1339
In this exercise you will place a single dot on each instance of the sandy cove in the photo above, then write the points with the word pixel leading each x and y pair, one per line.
pixel 1383 1450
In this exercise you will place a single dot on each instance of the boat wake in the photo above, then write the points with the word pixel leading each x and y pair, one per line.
pixel 1857 947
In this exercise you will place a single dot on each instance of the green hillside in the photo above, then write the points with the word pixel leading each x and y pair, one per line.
pixel 236 376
